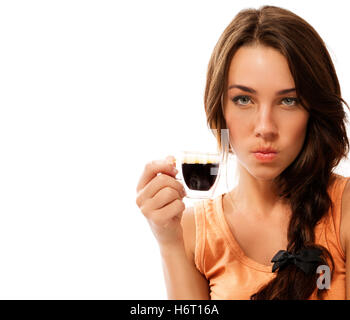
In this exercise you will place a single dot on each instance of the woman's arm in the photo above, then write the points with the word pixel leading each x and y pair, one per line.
pixel 182 278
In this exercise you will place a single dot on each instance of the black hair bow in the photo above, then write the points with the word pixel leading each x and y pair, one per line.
pixel 305 260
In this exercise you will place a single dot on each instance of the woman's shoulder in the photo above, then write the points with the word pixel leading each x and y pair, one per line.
pixel 340 188
pixel 344 219
pixel 337 178
pixel 345 226
pixel 346 201
pixel 346 192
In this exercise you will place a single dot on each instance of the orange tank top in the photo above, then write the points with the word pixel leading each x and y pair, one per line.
pixel 234 276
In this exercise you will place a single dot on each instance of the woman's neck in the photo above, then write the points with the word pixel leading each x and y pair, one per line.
pixel 256 195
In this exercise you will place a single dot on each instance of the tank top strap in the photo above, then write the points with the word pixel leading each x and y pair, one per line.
pixel 202 211
pixel 199 216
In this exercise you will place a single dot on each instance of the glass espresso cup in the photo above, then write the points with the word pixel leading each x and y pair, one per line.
pixel 199 173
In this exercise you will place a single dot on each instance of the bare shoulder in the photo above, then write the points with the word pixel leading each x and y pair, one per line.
pixel 189 231
pixel 345 218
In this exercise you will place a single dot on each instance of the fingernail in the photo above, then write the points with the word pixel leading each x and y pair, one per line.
pixel 175 171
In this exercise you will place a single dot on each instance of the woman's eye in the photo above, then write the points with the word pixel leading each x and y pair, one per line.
pixel 245 100
pixel 290 101
pixel 241 100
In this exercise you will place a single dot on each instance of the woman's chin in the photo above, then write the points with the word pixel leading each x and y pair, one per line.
pixel 265 174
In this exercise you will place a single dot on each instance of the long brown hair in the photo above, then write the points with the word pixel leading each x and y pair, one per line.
pixel 304 183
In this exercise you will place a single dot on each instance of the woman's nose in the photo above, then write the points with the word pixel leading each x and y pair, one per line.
pixel 265 125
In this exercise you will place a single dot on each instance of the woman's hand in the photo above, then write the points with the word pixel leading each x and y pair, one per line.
pixel 159 196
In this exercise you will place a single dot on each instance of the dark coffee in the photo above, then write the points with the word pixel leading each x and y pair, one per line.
pixel 200 176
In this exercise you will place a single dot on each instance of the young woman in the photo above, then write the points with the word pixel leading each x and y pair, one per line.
pixel 272 83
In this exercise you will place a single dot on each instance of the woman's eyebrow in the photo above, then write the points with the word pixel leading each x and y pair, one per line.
pixel 251 90
pixel 286 91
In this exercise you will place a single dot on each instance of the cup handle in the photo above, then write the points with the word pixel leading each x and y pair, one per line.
pixel 178 166
pixel 178 176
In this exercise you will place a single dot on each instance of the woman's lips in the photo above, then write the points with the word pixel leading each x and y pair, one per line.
pixel 263 156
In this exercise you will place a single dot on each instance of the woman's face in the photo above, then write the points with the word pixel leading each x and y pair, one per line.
pixel 262 110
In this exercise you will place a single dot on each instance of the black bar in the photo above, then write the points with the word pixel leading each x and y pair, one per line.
pixel 169 309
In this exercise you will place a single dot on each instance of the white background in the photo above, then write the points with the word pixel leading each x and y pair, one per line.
pixel 89 92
